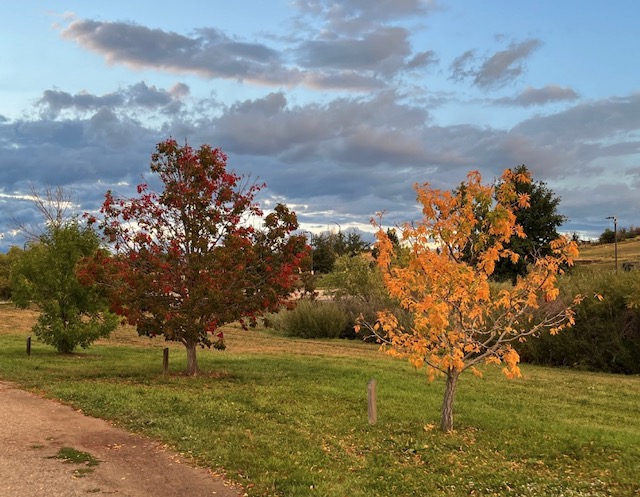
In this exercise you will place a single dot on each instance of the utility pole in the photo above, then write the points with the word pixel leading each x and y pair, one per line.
pixel 310 245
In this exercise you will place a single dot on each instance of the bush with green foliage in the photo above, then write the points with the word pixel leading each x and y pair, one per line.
pixel 356 285
pixel 355 309
pixel 606 334
pixel 312 319
pixel 607 236
pixel 72 314
pixel 357 277
pixel 7 262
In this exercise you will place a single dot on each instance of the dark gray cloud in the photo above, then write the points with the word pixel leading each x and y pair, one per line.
pixel 505 65
pixel 139 95
pixel 72 151
pixel 496 70
pixel 56 100
pixel 345 38
pixel 557 148
pixel 86 156
pixel 540 96
pixel 343 159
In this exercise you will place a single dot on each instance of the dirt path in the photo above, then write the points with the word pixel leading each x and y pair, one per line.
pixel 33 430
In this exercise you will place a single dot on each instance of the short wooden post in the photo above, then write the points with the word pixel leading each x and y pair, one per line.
pixel 28 346
pixel 371 398
pixel 165 360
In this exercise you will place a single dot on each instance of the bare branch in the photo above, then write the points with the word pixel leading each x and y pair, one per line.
pixel 55 206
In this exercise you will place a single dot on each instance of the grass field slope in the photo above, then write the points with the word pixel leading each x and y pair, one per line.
pixel 604 253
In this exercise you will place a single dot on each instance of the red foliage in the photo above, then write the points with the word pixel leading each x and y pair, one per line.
pixel 189 259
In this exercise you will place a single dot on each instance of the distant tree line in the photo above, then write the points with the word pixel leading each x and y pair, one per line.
pixel 327 247
pixel 609 236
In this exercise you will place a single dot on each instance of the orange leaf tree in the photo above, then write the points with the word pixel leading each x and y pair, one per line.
pixel 460 320
pixel 189 259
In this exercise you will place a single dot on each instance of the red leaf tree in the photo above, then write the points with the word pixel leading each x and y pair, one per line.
pixel 189 259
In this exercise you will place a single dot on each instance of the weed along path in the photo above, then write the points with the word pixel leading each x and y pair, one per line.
pixel 48 449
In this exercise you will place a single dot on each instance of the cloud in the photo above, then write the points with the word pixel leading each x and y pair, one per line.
pixel 423 59
pixel 494 71
pixel 139 95
pixel 208 52
pixel 344 80
pixel 365 151
pixel 86 156
pixel 335 40
pixel 55 101
pixel 363 58
pixel 348 17
pixel 73 151
pixel 381 50
pixel 588 122
pixel 352 156
pixel 540 96
pixel 506 65
pixel 460 66
pixel 270 126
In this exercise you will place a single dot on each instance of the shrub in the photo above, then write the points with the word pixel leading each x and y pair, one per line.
pixel 606 334
pixel 357 277
pixel 7 262
pixel 357 287
pixel 357 310
pixel 276 320
pixel 313 319
pixel 353 308
pixel 72 314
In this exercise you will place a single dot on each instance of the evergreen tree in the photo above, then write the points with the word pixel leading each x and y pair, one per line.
pixel 327 247
pixel 539 221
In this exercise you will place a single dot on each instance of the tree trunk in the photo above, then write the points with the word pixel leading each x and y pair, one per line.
pixel 446 421
pixel 192 360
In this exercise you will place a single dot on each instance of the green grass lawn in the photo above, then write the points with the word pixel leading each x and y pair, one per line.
pixel 289 417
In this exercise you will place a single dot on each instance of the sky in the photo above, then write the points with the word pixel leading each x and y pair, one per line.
pixel 339 106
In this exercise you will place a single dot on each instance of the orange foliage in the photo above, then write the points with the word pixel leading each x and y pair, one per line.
pixel 458 321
